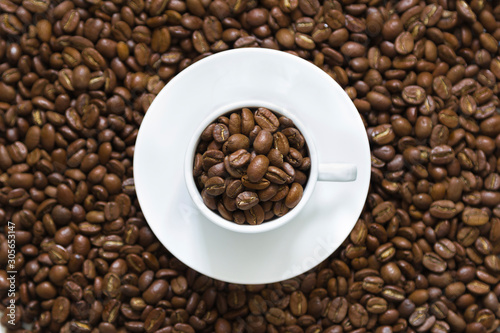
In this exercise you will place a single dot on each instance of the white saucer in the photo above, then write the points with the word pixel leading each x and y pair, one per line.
pixel 269 77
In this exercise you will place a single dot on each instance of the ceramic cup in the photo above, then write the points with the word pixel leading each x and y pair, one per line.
pixel 332 172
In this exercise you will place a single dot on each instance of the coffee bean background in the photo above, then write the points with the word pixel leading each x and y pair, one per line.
pixel 76 78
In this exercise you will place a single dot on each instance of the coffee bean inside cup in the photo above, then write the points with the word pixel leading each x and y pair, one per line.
pixel 251 165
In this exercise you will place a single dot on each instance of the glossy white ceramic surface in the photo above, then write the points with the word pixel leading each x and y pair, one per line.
pixel 251 77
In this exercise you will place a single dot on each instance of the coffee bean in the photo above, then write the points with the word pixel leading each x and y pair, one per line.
pixel 478 288
pixel 258 185
pixel 294 157
pixel 254 215
pixel 239 158
pixel 247 200
pixel 154 320
pixel 442 154
pixel 247 121
pixel 383 212
pixel 294 195
pixel 378 101
pixel 413 95
pixel 263 142
pixel 257 168
pixel 212 157
pixel 443 209
pixel 215 186
pixel 358 315
pixel 337 310
pixel 276 175
pixel 474 216
pixel 220 133
pixel 373 284
pixel 155 292
pixel 433 262
pixel 404 43
pixel 266 119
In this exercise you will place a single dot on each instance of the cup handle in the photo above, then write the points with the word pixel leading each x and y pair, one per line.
pixel 337 172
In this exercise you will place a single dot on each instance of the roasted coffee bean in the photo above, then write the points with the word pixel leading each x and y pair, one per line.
pixel 433 262
pixel 376 305
pixel 239 158
pixel 254 215
pixel 233 188
pixel 236 142
pixel 337 310
pixel 358 315
pixel 247 200
pixel 263 142
pixel 294 195
pixel 211 158
pixel 215 186
pixel 443 209
pixel 220 133
pixel 257 168
pixel 276 175
pixel 266 120
pixel 258 185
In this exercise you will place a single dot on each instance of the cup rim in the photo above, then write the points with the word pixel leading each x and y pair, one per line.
pixel 196 195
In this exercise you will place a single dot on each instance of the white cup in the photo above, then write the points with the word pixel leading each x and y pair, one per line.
pixel 332 172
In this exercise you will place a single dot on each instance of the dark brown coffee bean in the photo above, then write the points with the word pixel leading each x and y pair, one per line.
pixel 233 188
pixel 413 95
pixel 247 121
pixel 404 43
pixel 266 120
pixel 434 263
pixel 215 186
pixel 442 154
pixel 477 287
pixel 294 195
pixel 295 139
pixel 211 158
pixel 154 320
pixel 254 215
pixel 373 284
pixel 247 200
pixel 376 305
pixel 236 142
pixel 279 208
pixel 258 185
pixel 234 172
pixel 220 133
pixel 234 123
pixel 443 209
pixel 276 175
pixel 155 292
pixel 294 157
pixel 358 315
pixel 280 142
pixel 257 168
pixel 239 158
pixel 337 310
pixel 263 142
pixel 275 158
pixel 474 216
pixel 378 101
pixel 383 134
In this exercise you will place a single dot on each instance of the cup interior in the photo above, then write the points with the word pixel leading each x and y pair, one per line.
pixel 267 225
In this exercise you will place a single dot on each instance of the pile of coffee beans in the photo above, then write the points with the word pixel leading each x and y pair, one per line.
pixel 251 165
pixel 76 78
